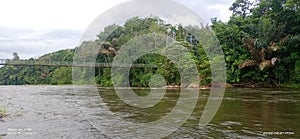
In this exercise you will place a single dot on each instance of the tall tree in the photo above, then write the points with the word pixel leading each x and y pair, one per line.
pixel 15 56
pixel 241 8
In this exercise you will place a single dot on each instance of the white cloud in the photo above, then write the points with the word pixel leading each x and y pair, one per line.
pixel 223 11
pixel 207 8
pixel 52 14
pixel 30 43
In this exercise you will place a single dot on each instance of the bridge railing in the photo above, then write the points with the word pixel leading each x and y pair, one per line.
pixel 3 61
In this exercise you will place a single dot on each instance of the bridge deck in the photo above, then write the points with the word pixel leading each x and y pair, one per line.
pixel 71 64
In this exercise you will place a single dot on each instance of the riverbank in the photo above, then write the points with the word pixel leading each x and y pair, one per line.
pixel 207 87
pixel 204 87
pixel 265 85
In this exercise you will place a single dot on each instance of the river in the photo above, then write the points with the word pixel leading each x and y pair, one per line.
pixel 54 112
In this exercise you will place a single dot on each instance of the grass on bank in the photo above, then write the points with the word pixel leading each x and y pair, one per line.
pixel 3 112
pixel 294 86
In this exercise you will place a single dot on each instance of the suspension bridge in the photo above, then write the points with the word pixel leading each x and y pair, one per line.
pixel 39 63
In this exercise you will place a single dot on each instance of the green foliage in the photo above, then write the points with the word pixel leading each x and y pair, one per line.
pixel 241 7
pixel 113 37
pixel 16 56
pixel 273 25
pixel 135 27
pixel 61 75
pixel 296 78
pixel 104 79
pixel 3 112
pixel 18 75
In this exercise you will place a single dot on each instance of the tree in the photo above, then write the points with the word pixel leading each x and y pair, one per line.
pixel 62 75
pixel 15 56
pixel 262 48
pixel 241 8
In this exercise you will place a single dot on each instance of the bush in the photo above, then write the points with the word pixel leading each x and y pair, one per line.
pixel 3 112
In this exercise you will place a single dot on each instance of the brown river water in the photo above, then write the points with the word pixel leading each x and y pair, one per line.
pixel 54 112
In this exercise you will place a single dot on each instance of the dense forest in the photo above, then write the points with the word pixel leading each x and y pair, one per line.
pixel 260 43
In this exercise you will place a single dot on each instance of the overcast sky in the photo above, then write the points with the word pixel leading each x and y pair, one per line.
pixel 36 27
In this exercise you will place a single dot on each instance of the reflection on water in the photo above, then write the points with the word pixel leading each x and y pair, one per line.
pixel 141 114
pixel 244 113
pixel 56 112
